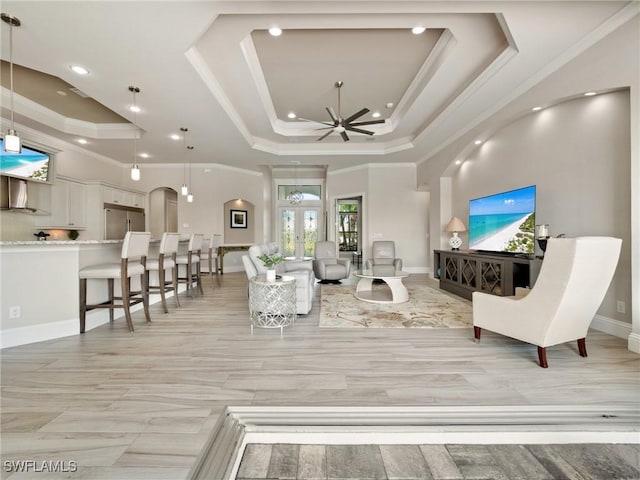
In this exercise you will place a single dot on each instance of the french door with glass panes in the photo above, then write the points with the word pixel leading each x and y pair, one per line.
pixel 299 229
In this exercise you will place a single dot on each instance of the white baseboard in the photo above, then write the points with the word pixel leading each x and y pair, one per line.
pixel 41 332
pixel 634 342
pixel 611 326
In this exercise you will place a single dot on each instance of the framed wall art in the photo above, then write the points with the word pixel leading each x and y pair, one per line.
pixel 238 219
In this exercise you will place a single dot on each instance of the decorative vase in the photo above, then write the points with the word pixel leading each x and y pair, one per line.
pixel 271 275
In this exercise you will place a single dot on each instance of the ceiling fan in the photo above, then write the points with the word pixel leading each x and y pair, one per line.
pixel 343 125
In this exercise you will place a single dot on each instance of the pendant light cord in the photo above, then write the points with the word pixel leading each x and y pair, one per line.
pixel 11 70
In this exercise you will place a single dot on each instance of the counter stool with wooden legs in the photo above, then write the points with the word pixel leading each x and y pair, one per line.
pixel 191 262
pixel 210 256
pixel 166 261
pixel 135 248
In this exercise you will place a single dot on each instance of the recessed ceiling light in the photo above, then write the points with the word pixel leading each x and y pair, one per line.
pixel 62 93
pixel 458 162
pixel 144 155
pixel 478 142
pixel 82 141
pixel 418 30
pixel 375 114
pixel 175 136
pixel 291 115
pixel 275 31
pixel 589 94
pixel 535 109
pixel 79 70
pixel 389 105
pixel 134 108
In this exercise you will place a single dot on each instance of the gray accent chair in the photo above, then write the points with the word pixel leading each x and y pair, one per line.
pixel 383 252
pixel 327 266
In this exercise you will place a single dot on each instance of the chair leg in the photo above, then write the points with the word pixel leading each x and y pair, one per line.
pixel 542 356
pixel 110 284
pixel 125 301
pixel 190 281
pixel 198 279
pixel 582 347
pixel 477 331
pixel 145 297
pixel 210 266
pixel 83 303
pixel 174 276
pixel 163 296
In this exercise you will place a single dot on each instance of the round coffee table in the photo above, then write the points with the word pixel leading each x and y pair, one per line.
pixel 397 292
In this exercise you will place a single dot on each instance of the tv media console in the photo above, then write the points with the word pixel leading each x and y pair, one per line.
pixel 464 272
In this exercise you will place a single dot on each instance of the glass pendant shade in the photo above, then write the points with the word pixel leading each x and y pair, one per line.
pixel 135 173
pixel 184 190
pixel 296 197
pixel 190 198
pixel 12 143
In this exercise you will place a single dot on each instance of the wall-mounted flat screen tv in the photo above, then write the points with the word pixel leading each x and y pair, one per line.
pixel 504 222
pixel 30 164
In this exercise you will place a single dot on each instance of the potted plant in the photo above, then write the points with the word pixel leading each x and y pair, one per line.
pixel 270 261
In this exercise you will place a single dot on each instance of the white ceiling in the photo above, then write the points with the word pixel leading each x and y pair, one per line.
pixel 213 68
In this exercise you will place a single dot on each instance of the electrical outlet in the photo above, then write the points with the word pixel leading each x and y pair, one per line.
pixel 14 312
pixel 621 307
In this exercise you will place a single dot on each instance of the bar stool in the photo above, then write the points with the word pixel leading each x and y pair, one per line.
pixel 166 260
pixel 211 256
pixel 135 248
pixel 191 262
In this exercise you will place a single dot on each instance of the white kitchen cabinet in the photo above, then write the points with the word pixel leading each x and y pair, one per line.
pixel 122 197
pixel 68 206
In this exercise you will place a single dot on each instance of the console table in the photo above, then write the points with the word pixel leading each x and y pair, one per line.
pixel 232 247
pixel 464 272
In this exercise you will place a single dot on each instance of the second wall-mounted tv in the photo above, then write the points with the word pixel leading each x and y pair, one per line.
pixel 30 164
pixel 504 222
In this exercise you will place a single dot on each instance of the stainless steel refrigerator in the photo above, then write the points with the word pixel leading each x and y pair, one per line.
pixel 119 219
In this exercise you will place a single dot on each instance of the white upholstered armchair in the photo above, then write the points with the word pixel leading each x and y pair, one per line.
pixel 383 252
pixel 327 266
pixel 573 280
pixel 301 270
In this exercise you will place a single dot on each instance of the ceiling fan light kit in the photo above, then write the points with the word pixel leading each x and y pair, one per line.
pixel 342 125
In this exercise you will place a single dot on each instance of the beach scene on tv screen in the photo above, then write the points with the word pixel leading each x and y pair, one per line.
pixel 504 222
pixel 29 164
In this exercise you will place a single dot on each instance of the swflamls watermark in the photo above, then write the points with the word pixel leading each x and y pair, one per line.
pixel 40 466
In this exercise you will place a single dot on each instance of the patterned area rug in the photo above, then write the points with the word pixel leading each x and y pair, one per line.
pixel 426 308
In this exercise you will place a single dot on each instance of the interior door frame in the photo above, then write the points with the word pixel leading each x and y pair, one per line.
pixel 332 227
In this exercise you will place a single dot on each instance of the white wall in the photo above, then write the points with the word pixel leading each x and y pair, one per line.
pixel 393 209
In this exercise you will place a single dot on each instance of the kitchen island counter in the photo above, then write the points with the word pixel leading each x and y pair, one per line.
pixel 39 287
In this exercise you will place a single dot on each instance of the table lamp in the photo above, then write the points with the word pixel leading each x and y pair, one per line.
pixel 454 226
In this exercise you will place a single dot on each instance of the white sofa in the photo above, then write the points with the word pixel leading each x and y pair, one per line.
pixel 302 271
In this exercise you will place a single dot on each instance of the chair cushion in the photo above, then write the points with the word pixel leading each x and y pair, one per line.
pixel 110 270
pixel 153 264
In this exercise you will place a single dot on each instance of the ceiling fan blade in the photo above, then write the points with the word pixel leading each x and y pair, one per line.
pixel 344 136
pixel 333 115
pixel 358 130
pixel 325 135
pixel 356 115
pixel 368 122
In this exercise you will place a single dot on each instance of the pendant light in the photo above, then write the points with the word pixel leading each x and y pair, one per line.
pixel 12 142
pixel 190 195
pixel 184 190
pixel 295 197
pixel 135 169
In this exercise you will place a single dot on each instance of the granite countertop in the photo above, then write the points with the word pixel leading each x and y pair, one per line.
pixel 58 242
